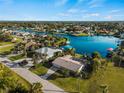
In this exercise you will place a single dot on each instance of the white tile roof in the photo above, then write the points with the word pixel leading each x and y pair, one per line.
pixel 49 51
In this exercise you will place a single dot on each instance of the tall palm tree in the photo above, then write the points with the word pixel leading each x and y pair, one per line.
pixel 35 58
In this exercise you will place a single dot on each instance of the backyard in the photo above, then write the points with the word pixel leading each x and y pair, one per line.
pixel 112 76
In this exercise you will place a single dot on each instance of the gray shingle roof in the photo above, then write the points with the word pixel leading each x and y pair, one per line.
pixel 68 64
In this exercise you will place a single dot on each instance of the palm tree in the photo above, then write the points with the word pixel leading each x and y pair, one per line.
pixel 36 88
pixel 96 64
pixel 104 88
pixel 96 55
pixel 35 59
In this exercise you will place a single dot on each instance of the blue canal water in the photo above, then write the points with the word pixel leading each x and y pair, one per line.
pixel 89 44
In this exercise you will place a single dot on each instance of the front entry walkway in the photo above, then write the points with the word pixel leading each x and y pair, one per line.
pixel 51 71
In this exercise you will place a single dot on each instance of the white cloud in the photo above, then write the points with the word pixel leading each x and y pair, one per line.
pixel 60 2
pixel 63 14
pixel 93 14
pixel 96 3
pixel 109 17
pixel 114 11
pixel 73 10
pixel 118 15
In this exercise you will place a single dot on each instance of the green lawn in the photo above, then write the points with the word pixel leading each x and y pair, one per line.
pixel 81 34
pixel 17 57
pixel 39 69
pixel 61 41
pixel 6 48
pixel 18 39
pixel 5 43
pixel 112 76
pixel 78 55
pixel 12 78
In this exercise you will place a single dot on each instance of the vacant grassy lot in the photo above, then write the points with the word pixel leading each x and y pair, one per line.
pixel 112 76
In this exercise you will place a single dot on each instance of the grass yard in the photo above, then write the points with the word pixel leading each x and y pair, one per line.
pixel 61 41
pixel 17 57
pixel 112 76
pixel 18 39
pixel 40 69
pixel 6 48
pixel 12 77
pixel 78 55
pixel 22 81
pixel 5 43
pixel 81 34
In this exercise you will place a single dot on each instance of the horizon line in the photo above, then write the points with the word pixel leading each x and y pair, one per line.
pixel 61 21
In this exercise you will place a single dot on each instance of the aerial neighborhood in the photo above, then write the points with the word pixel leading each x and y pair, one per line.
pixel 56 54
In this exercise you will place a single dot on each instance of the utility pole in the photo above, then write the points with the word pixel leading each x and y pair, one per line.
pixel 78 84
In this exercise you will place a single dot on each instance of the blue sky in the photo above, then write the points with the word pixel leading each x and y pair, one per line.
pixel 62 10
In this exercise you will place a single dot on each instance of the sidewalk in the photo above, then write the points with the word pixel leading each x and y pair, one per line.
pixel 51 71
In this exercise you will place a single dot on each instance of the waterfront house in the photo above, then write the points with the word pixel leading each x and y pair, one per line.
pixel 67 47
pixel 47 51
pixel 68 63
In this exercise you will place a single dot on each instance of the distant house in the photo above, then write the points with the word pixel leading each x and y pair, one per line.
pixel 67 47
pixel 48 51
pixel 68 63
pixel 122 35
pixel 122 44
